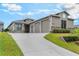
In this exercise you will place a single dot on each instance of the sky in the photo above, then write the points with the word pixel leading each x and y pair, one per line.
pixel 17 11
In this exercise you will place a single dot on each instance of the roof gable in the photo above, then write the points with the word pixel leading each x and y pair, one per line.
pixel 28 19
pixel 63 12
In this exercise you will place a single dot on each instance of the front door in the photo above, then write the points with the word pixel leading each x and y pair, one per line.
pixel 27 28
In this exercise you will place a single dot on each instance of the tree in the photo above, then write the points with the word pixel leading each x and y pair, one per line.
pixel 6 30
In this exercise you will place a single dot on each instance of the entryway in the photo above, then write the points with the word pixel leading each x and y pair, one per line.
pixel 27 28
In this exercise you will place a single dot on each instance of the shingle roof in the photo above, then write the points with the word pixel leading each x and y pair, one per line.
pixel 23 20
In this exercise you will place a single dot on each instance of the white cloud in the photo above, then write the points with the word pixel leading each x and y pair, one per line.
pixel 44 11
pixel 69 6
pixel 12 7
pixel 23 14
pixel 39 11
pixel 29 13
pixel 73 10
pixel 34 12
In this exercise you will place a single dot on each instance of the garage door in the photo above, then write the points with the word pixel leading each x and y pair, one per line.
pixel 37 27
pixel 45 26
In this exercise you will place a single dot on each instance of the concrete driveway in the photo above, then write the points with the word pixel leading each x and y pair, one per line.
pixel 33 44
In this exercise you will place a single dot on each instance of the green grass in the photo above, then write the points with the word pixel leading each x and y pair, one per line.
pixel 76 31
pixel 55 38
pixel 8 46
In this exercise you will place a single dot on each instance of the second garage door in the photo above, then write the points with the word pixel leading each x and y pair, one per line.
pixel 45 26
pixel 37 27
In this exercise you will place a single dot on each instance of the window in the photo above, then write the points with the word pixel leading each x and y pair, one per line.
pixel 63 24
pixel 18 26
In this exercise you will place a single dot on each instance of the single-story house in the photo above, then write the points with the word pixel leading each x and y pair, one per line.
pixel 43 25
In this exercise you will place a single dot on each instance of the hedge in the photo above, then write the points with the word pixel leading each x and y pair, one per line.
pixel 71 38
pixel 60 31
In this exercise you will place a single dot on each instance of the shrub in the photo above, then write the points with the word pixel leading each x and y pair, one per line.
pixel 71 38
pixel 60 31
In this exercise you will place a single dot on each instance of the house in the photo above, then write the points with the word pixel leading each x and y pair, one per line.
pixel 44 25
pixel 1 26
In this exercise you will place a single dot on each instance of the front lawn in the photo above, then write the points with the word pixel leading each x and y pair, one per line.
pixel 8 46
pixel 55 38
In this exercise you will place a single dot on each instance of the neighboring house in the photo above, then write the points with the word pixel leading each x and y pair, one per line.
pixel 45 24
pixel 1 26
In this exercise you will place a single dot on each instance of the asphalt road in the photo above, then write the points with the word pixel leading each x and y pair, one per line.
pixel 33 44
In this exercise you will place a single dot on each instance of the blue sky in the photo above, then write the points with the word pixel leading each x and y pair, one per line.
pixel 19 11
